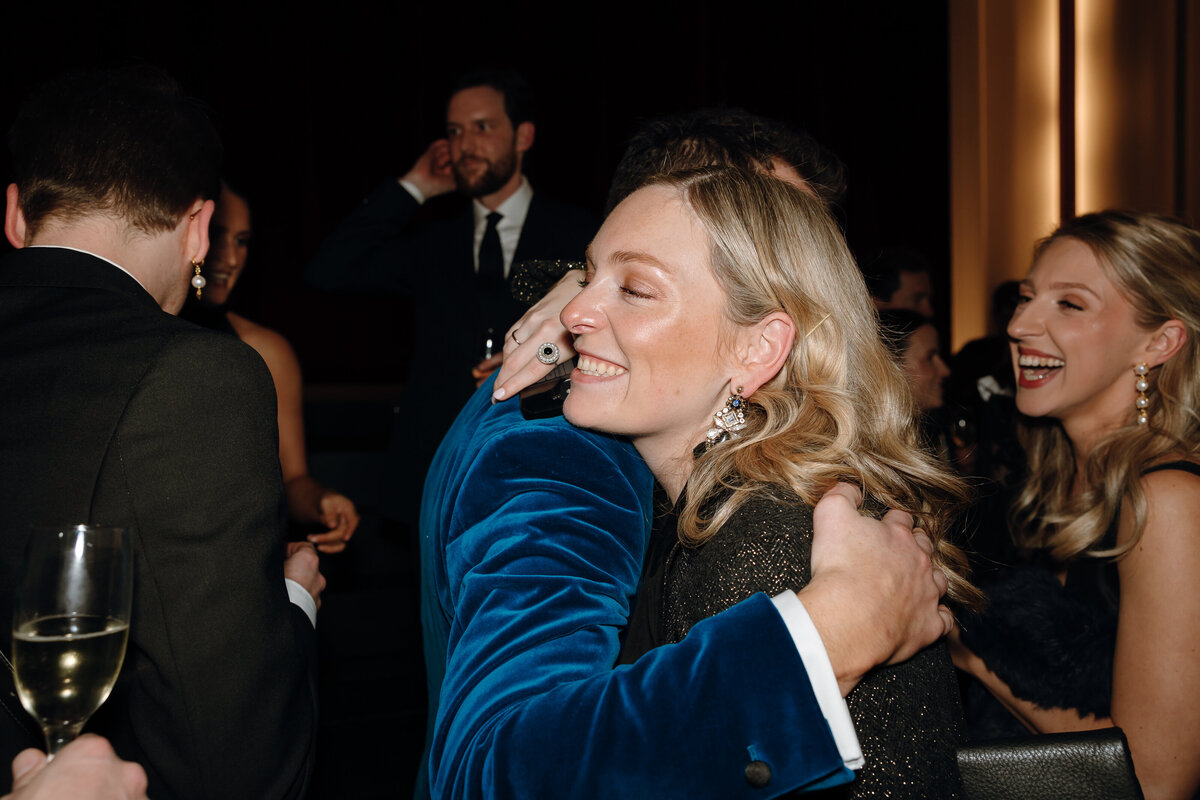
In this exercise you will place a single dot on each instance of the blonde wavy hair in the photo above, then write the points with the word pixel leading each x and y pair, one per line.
pixel 1154 261
pixel 839 409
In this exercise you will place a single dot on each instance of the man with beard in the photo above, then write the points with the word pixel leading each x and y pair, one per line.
pixel 459 263
pixel 454 265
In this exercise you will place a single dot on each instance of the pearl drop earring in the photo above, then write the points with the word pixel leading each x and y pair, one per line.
pixel 1141 384
pixel 198 280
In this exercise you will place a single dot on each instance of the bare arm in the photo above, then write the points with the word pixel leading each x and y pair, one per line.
pixel 1158 637
pixel 308 501
pixel 1156 675
pixel 1031 715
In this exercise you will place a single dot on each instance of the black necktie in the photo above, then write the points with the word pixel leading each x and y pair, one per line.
pixel 491 257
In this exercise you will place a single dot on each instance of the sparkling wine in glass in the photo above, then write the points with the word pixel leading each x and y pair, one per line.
pixel 71 624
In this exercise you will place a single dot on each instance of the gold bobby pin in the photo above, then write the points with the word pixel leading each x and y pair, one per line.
pixel 819 324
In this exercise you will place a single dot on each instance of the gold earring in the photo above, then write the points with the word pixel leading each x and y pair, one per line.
pixel 198 280
pixel 1141 384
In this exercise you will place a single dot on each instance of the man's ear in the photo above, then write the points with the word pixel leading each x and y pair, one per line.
pixel 196 242
pixel 1166 342
pixel 14 220
pixel 765 348
pixel 524 136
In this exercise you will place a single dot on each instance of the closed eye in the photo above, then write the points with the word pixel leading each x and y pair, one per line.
pixel 634 292
pixel 588 273
pixel 1068 304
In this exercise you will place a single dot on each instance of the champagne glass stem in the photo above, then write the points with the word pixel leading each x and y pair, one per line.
pixel 59 736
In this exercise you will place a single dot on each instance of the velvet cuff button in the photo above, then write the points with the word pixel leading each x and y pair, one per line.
pixel 758 774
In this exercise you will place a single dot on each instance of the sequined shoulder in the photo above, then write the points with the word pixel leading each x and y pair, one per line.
pixel 765 547
pixel 908 716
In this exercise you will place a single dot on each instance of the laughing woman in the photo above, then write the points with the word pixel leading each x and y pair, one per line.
pixel 1104 630
pixel 720 291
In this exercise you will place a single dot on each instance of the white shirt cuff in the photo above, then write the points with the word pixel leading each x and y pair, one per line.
pixel 300 596
pixel 412 189
pixel 820 675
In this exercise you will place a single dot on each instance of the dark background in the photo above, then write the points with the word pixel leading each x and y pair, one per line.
pixel 316 108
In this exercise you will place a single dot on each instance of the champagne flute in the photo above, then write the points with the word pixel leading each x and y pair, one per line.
pixel 71 625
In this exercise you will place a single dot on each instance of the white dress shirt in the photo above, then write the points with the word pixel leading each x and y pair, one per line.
pixel 513 212
pixel 820 675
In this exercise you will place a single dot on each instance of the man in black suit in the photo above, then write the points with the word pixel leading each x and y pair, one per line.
pixel 116 412
pixel 457 268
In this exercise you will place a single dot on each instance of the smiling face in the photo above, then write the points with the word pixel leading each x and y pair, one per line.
pixel 1075 342
pixel 229 240
pixel 485 148
pixel 924 367
pixel 650 330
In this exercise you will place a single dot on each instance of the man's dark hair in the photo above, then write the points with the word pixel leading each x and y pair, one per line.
pixel 124 142
pixel 725 137
pixel 518 95
pixel 897 325
pixel 883 271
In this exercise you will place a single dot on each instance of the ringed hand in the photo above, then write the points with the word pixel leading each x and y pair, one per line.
pixel 523 343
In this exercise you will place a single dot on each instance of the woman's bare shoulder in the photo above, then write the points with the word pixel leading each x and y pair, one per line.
pixel 271 345
pixel 1174 486
pixel 1171 535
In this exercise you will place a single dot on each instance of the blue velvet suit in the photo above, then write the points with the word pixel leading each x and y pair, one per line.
pixel 532 536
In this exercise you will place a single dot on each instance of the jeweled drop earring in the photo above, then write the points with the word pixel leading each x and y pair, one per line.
pixel 729 420
pixel 1141 385
pixel 198 280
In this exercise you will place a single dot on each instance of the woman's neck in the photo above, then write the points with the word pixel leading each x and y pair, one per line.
pixel 672 464
pixel 1085 434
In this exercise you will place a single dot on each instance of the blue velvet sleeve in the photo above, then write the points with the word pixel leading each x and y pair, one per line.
pixel 542 560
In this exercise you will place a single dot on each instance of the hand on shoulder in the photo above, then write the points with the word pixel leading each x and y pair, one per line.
pixel 874 595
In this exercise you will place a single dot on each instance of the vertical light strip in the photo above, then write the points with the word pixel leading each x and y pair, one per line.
pixel 969 186
pixel 1006 146
pixel 1066 108
pixel 1042 85
pixel 1093 30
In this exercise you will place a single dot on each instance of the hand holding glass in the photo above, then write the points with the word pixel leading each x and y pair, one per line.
pixel 71 624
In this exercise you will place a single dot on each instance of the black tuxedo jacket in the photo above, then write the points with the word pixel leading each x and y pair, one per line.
pixel 114 412
pixel 383 246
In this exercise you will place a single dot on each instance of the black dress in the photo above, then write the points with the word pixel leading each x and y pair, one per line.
pixel 1052 642
pixel 908 717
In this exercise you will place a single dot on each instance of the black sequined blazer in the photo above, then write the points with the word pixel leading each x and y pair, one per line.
pixel 908 717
